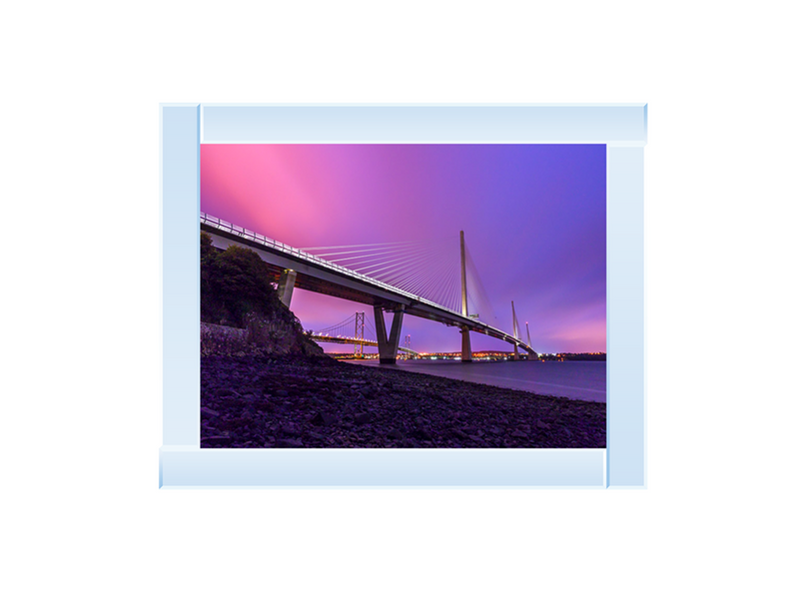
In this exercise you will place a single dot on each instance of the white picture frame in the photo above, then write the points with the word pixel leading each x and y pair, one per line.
pixel 621 127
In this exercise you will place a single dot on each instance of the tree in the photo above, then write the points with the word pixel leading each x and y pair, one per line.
pixel 234 283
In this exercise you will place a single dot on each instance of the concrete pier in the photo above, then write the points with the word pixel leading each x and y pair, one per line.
pixel 286 284
pixel 388 345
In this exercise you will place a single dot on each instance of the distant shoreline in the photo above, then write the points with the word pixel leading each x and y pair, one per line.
pixel 539 378
pixel 504 357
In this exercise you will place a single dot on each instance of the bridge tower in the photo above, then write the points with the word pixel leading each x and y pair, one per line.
pixel 360 327
pixel 516 331
pixel 407 345
pixel 531 355
pixel 466 343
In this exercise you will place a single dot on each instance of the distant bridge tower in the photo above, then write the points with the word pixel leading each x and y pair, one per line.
pixel 531 355
pixel 360 327
pixel 516 330
pixel 466 343
pixel 407 345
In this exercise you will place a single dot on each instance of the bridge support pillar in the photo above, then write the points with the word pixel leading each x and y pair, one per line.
pixel 388 345
pixel 533 356
pixel 286 284
pixel 466 345
pixel 516 353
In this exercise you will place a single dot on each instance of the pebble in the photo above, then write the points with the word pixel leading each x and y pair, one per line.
pixel 362 418
pixel 216 441
pixel 289 443
pixel 324 418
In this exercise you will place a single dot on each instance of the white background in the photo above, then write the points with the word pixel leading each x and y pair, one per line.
pixel 81 385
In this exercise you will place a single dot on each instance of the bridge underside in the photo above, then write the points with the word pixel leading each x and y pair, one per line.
pixel 322 280
pixel 317 285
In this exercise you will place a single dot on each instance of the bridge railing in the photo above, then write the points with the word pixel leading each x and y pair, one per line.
pixel 314 259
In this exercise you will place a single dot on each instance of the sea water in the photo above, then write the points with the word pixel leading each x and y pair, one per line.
pixel 579 380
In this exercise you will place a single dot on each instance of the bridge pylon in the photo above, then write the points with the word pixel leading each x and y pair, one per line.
pixel 516 333
pixel 466 342
pixel 388 344
pixel 531 355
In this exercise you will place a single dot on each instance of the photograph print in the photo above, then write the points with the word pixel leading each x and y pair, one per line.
pixel 403 295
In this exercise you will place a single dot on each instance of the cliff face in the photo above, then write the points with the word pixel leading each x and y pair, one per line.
pixel 273 337
pixel 240 309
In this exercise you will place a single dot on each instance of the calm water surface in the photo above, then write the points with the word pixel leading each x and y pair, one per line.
pixel 578 380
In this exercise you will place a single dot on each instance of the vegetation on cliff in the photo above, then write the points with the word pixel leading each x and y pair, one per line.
pixel 240 309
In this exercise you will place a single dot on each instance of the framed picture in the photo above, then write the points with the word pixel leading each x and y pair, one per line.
pixel 476 269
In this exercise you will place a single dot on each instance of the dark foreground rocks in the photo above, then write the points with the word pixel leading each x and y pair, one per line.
pixel 314 402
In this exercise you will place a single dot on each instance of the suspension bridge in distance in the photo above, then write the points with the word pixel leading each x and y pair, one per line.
pixel 362 336
pixel 373 275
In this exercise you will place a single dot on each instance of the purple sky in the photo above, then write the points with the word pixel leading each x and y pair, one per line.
pixel 534 218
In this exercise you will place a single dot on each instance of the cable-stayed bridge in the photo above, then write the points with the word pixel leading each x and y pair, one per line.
pixel 417 278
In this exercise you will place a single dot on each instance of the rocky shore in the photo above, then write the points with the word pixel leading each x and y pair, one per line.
pixel 256 401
